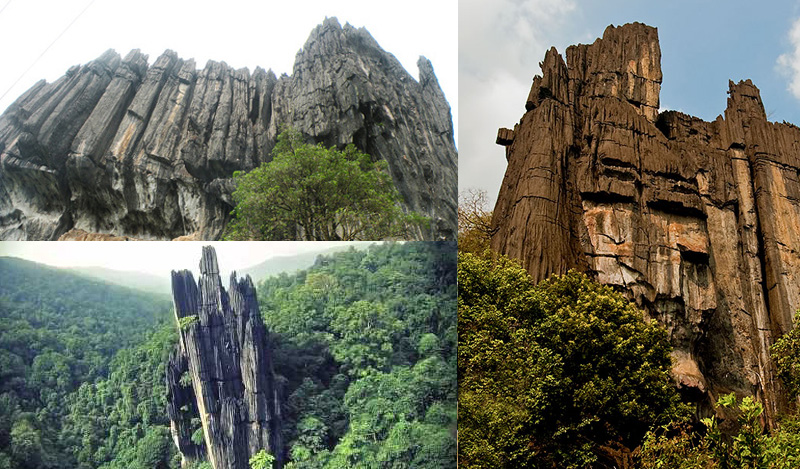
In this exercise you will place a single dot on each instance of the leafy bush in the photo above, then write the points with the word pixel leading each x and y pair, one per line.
pixel 314 193
pixel 748 447
pixel 785 353
pixel 552 375
pixel 186 322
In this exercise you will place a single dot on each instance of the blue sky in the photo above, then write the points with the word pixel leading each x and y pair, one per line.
pixel 703 45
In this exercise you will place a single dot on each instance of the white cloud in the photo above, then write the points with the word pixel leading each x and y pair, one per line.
pixel 500 45
pixel 789 63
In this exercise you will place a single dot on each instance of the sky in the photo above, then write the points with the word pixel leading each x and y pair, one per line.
pixel 44 38
pixel 157 257
pixel 703 45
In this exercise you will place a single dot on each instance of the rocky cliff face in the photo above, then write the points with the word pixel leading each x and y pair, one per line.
pixel 221 371
pixel 698 222
pixel 121 147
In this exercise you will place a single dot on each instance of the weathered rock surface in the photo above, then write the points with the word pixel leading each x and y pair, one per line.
pixel 119 147
pixel 223 351
pixel 698 222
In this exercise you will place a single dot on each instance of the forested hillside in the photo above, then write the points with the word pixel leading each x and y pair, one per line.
pixel 57 331
pixel 364 343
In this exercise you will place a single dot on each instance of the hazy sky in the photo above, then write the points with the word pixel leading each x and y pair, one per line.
pixel 703 45
pixel 156 257
pixel 243 33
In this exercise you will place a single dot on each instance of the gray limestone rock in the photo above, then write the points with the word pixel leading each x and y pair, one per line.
pixel 223 350
pixel 122 148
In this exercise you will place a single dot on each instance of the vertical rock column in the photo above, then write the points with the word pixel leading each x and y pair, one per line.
pixel 223 348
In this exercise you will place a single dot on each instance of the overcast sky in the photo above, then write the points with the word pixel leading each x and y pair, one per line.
pixel 243 33
pixel 703 45
pixel 156 257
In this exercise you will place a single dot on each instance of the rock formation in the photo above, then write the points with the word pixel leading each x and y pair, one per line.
pixel 121 147
pixel 221 371
pixel 698 222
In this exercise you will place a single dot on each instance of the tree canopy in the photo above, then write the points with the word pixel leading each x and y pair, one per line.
pixel 554 375
pixel 314 193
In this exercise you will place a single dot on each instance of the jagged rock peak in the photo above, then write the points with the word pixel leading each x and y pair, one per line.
pixel 224 351
pixel 697 222
pixel 121 148
pixel 208 263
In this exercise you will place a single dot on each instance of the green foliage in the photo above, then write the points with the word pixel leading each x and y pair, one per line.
pixel 743 445
pixel 58 334
pixel 120 422
pixel 314 193
pixel 549 374
pixel 186 322
pixel 198 436
pixel 745 449
pixel 367 343
pixel 785 353
pixel 673 446
pixel 262 460
pixel 154 449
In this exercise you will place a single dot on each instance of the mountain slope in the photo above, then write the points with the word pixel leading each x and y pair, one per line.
pixel 58 331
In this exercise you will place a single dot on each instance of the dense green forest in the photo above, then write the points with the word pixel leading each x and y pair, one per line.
pixel 364 343
pixel 59 335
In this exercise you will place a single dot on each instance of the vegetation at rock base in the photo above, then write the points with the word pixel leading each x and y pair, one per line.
pixel 314 193
pixel 746 446
pixel 567 374
pixel 560 374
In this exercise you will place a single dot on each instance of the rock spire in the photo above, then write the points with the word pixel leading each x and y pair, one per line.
pixel 221 371
pixel 697 222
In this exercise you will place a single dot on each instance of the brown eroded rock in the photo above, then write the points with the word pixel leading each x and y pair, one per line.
pixel 698 222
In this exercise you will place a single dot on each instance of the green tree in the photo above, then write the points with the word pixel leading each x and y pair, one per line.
pixel 785 353
pixel 262 460
pixel 314 193
pixel 553 375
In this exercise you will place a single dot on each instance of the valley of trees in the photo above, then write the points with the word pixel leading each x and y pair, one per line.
pixel 364 343
pixel 61 337
pixel 568 374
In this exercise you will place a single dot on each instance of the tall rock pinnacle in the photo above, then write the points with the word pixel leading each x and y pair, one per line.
pixel 223 353
pixel 122 148
pixel 697 222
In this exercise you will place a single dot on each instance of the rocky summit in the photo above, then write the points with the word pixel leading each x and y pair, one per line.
pixel 221 371
pixel 125 148
pixel 697 222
